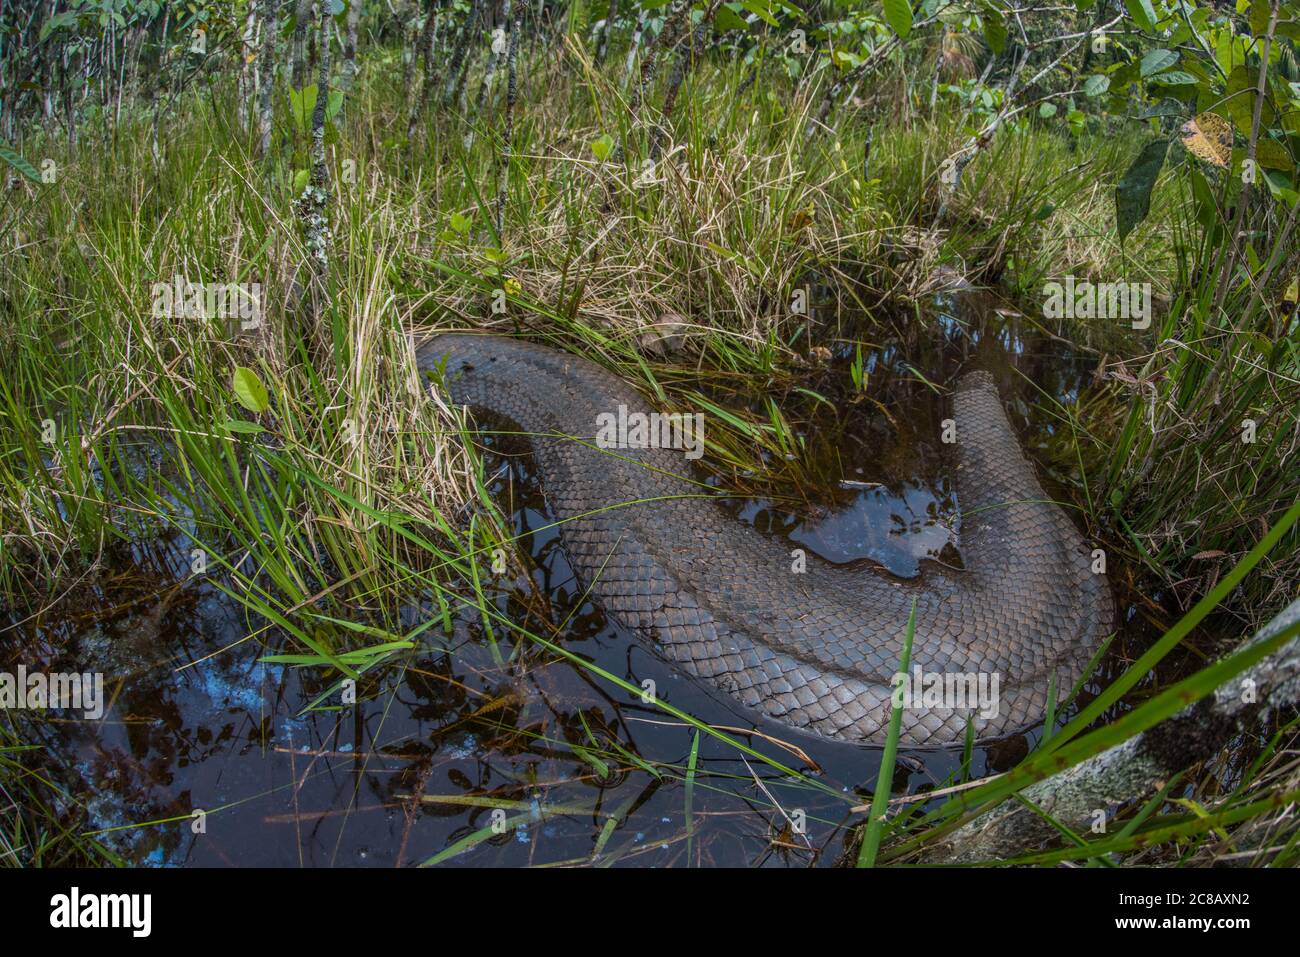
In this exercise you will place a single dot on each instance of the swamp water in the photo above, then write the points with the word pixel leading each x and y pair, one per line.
pixel 446 742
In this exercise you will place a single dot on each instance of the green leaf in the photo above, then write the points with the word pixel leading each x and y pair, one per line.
pixel 1173 78
pixel 57 22
pixel 762 10
pixel 1273 155
pixel 18 163
pixel 333 104
pixel 1260 12
pixel 1133 194
pixel 249 390
pixel 1096 85
pixel 1142 13
pixel 1047 110
pixel 1240 102
pixel 845 59
pixel 1157 61
pixel 301 104
pixel 899 15
pixel 995 31
pixel 728 18
pixel 1207 210
pixel 460 223
pixel 602 146
pixel 300 179
pixel 241 427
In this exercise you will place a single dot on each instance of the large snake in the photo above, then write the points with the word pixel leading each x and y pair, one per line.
pixel 810 644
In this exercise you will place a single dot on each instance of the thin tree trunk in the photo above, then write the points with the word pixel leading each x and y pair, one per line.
pixel 630 65
pixel 300 15
pixel 665 42
pixel 315 40
pixel 313 206
pixel 414 40
pixel 266 75
pixel 248 66
pixel 462 80
pixel 503 174
pixel 934 80
pixel 685 60
pixel 603 50
pixel 426 86
pixel 458 55
pixel 489 71
pixel 350 44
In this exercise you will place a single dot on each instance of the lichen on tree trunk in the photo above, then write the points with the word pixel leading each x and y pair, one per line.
pixel 266 75
pixel 313 206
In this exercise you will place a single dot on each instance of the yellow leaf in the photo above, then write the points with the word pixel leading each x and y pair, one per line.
pixel 801 218
pixel 1209 137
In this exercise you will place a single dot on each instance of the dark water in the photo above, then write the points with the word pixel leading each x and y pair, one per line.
pixel 576 769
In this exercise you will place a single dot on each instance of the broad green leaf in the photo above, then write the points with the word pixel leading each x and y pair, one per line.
pixel 1273 155
pixel 1172 78
pixel 1143 14
pixel 845 59
pixel 1207 210
pixel 18 163
pixel 460 223
pixel 241 427
pixel 762 10
pixel 1096 85
pixel 249 390
pixel 1260 12
pixel 333 104
pixel 57 22
pixel 602 146
pixel 1240 102
pixel 899 15
pixel 1047 110
pixel 1133 194
pixel 1157 61
pixel 301 104
pixel 728 18
pixel 995 30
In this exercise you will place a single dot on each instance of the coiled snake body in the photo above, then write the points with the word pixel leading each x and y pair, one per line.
pixel 815 650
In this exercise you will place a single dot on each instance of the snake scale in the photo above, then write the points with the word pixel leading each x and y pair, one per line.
pixel 817 650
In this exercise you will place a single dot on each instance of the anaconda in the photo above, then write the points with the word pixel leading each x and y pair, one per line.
pixel 817 650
